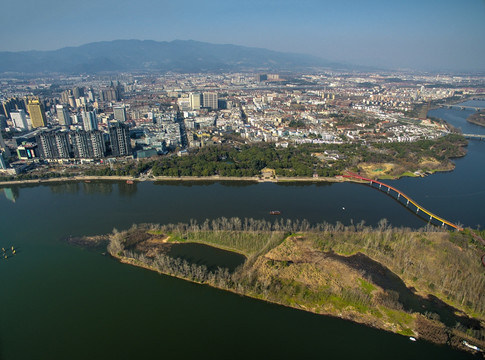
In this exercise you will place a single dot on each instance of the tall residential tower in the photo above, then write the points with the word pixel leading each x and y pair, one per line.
pixel 37 113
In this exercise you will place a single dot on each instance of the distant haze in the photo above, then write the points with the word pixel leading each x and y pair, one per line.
pixel 423 35
pixel 183 56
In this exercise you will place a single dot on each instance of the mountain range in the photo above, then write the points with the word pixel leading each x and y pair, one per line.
pixel 184 56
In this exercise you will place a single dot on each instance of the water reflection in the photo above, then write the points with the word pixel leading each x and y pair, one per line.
pixel 304 183
pixel 127 189
pixel 92 188
pixel 11 194
pixel 65 187
pixel 185 183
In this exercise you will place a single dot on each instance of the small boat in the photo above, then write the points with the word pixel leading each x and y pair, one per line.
pixel 468 345
pixel 412 338
pixel 275 212
pixel 129 182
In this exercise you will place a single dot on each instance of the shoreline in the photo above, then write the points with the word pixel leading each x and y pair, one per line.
pixel 342 315
pixel 140 264
pixel 169 178
pixel 87 179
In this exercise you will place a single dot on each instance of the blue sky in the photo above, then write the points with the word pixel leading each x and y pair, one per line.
pixel 426 34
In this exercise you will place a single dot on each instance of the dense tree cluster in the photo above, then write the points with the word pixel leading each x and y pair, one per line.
pixel 249 160
pixel 441 149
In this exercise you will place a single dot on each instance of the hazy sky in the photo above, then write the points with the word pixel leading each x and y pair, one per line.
pixel 426 34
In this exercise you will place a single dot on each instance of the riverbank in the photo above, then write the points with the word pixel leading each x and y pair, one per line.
pixel 256 179
pixel 391 279
pixel 88 179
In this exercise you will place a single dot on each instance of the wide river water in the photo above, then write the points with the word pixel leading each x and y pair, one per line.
pixel 59 301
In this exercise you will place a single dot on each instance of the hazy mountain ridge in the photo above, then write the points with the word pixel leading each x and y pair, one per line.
pixel 178 56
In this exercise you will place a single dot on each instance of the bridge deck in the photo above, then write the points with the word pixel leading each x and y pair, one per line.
pixel 400 193
pixel 474 136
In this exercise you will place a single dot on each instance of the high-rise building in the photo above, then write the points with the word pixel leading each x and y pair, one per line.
pixel 65 96
pixel 88 144
pixel 19 119
pixel 72 101
pixel 80 145
pixel 89 120
pixel 80 102
pixel 53 145
pixel 113 93
pixel 37 113
pixel 91 95
pixel 209 100
pixel 195 101
pixel 63 115
pixel 12 104
pixel 3 146
pixel 77 92
pixel 119 113
pixel 96 138
pixel 119 136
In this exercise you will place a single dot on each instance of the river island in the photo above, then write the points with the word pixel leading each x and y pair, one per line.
pixel 425 284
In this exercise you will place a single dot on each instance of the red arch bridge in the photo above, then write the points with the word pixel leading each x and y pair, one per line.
pixel 400 194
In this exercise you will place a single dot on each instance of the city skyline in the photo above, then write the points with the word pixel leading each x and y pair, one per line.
pixel 432 35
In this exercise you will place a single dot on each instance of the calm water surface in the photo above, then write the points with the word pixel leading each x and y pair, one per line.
pixel 59 301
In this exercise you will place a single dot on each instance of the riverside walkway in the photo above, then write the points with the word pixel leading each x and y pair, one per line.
pixel 409 200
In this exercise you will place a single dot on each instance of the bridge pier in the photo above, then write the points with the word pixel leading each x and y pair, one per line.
pixel 388 189
pixel 398 195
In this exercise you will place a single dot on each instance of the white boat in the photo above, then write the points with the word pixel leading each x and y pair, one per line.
pixel 412 338
pixel 468 345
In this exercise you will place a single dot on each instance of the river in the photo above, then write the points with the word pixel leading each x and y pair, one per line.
pixel 59 301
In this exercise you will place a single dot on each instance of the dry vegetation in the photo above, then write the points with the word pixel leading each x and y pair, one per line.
pixel 425 283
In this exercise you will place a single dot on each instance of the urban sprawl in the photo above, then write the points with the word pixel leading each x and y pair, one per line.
pixel 73 120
